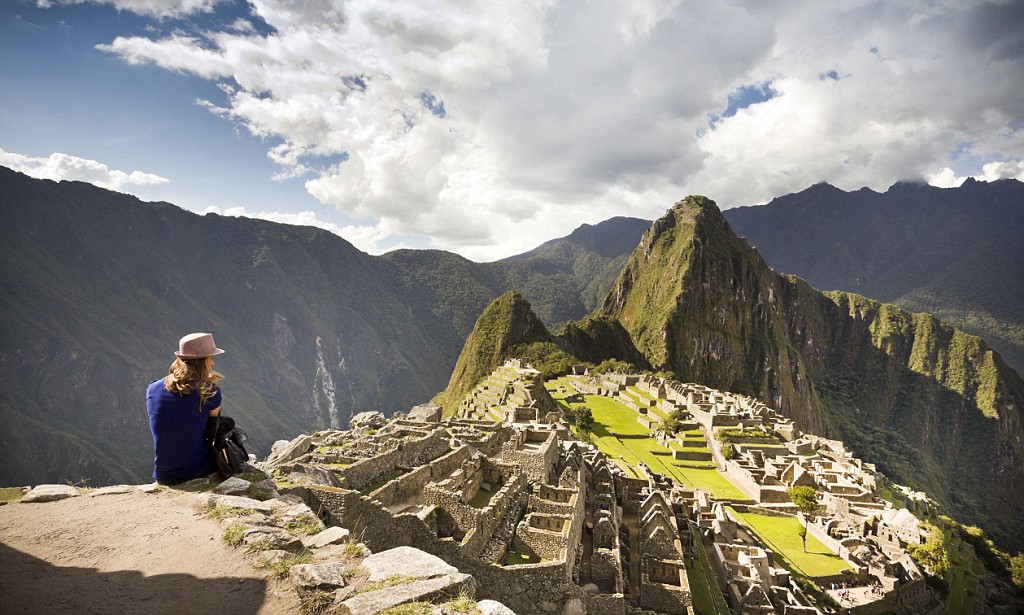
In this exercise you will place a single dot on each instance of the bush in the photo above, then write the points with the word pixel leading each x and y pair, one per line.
pixel 932 555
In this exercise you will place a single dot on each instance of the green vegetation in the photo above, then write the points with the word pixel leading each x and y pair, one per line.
pixel 547 358
pixel 619 435
pixel 728 434
pixel 410 608
pixel 10 494
pixel 507 322
pixel 806 500
pixel 398 579
pixel 782 535
pixel 234 533
pixel 514 558
pixel 304 525
pixel 221 512
pixel 316 602
pixel 480 499
pixel 280 567
pixel 463 603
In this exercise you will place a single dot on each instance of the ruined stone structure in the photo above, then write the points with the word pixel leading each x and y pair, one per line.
pixel 548 524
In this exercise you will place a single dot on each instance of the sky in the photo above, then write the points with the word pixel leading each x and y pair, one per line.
pixel 487 127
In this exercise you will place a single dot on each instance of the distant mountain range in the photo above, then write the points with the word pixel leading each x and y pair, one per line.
pixel 96 287
pixel 956 253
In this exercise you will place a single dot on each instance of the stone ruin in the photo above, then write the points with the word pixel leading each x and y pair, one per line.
pixel 548 524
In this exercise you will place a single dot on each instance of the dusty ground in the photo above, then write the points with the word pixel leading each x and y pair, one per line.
pixel 127 553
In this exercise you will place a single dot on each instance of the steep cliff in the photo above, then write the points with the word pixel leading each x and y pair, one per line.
pixel 933 406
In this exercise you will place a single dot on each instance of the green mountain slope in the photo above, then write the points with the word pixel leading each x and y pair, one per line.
pixel 957 253
pixel 934 407
pixel 508 321
pixel 97 287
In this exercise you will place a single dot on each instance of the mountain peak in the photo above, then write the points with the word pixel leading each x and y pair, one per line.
pixel 507 322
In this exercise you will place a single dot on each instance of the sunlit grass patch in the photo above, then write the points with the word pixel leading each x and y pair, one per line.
pixel 782 535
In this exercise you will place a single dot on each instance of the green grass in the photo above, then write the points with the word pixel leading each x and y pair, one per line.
pixel 781 534
pixel 703 603
pixel 10 494
pixel 617 433
pixel 711 481
pixel 481 499
pixel 514 558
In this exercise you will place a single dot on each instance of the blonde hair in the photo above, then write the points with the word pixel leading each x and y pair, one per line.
pixel 186 375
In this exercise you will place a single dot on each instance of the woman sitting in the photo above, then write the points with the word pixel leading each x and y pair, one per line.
pixel 178 407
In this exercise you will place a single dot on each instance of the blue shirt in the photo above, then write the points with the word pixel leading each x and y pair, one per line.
pixel 180 451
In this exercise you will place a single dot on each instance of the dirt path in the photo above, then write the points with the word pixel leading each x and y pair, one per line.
pixel 127 553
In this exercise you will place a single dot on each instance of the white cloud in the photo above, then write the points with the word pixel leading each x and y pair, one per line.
pixel 992 171
pixel 60 167
pixel 154 8
pixel 370 239
pixel 559 113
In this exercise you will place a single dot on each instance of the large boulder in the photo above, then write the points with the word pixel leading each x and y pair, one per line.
pixel 367 420
pixel 310 474
pixel 406 562
pixel 284 451
pixel 436 589
pixel 49 493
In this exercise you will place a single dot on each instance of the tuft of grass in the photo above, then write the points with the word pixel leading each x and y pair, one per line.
pixel 234 533
pixel 279 569
pixel 351 549
pixel 259 546
pixel 398 579
pixel 316 602
pixel 304 525
pixel 463 603
pixel 221 512
pixel 258 493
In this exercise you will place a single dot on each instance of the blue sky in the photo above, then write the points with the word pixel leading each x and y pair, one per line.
pixel 487 128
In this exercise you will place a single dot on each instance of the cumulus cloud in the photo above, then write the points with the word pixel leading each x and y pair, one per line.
pixel 154 8
pixel 487 127
pixel 60 167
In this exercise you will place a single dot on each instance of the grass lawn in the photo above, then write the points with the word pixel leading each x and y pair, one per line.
pixel 781 534
pixel 617 434
pixel 703 603
pixel 481 499
pixel 710 480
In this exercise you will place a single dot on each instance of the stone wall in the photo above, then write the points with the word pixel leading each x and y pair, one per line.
pixel 410 485
pixel 529 589
pixel 535 451
pixel 405 453
pixel 672 597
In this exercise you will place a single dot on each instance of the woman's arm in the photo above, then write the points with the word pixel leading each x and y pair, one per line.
pixel 215 411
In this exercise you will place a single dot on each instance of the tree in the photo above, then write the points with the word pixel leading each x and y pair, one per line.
pixel 583 419
pixel 806 500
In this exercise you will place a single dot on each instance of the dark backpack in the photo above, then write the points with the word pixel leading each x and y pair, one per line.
pixel 228 446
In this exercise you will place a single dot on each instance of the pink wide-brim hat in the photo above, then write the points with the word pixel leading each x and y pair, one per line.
pixel 197 346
